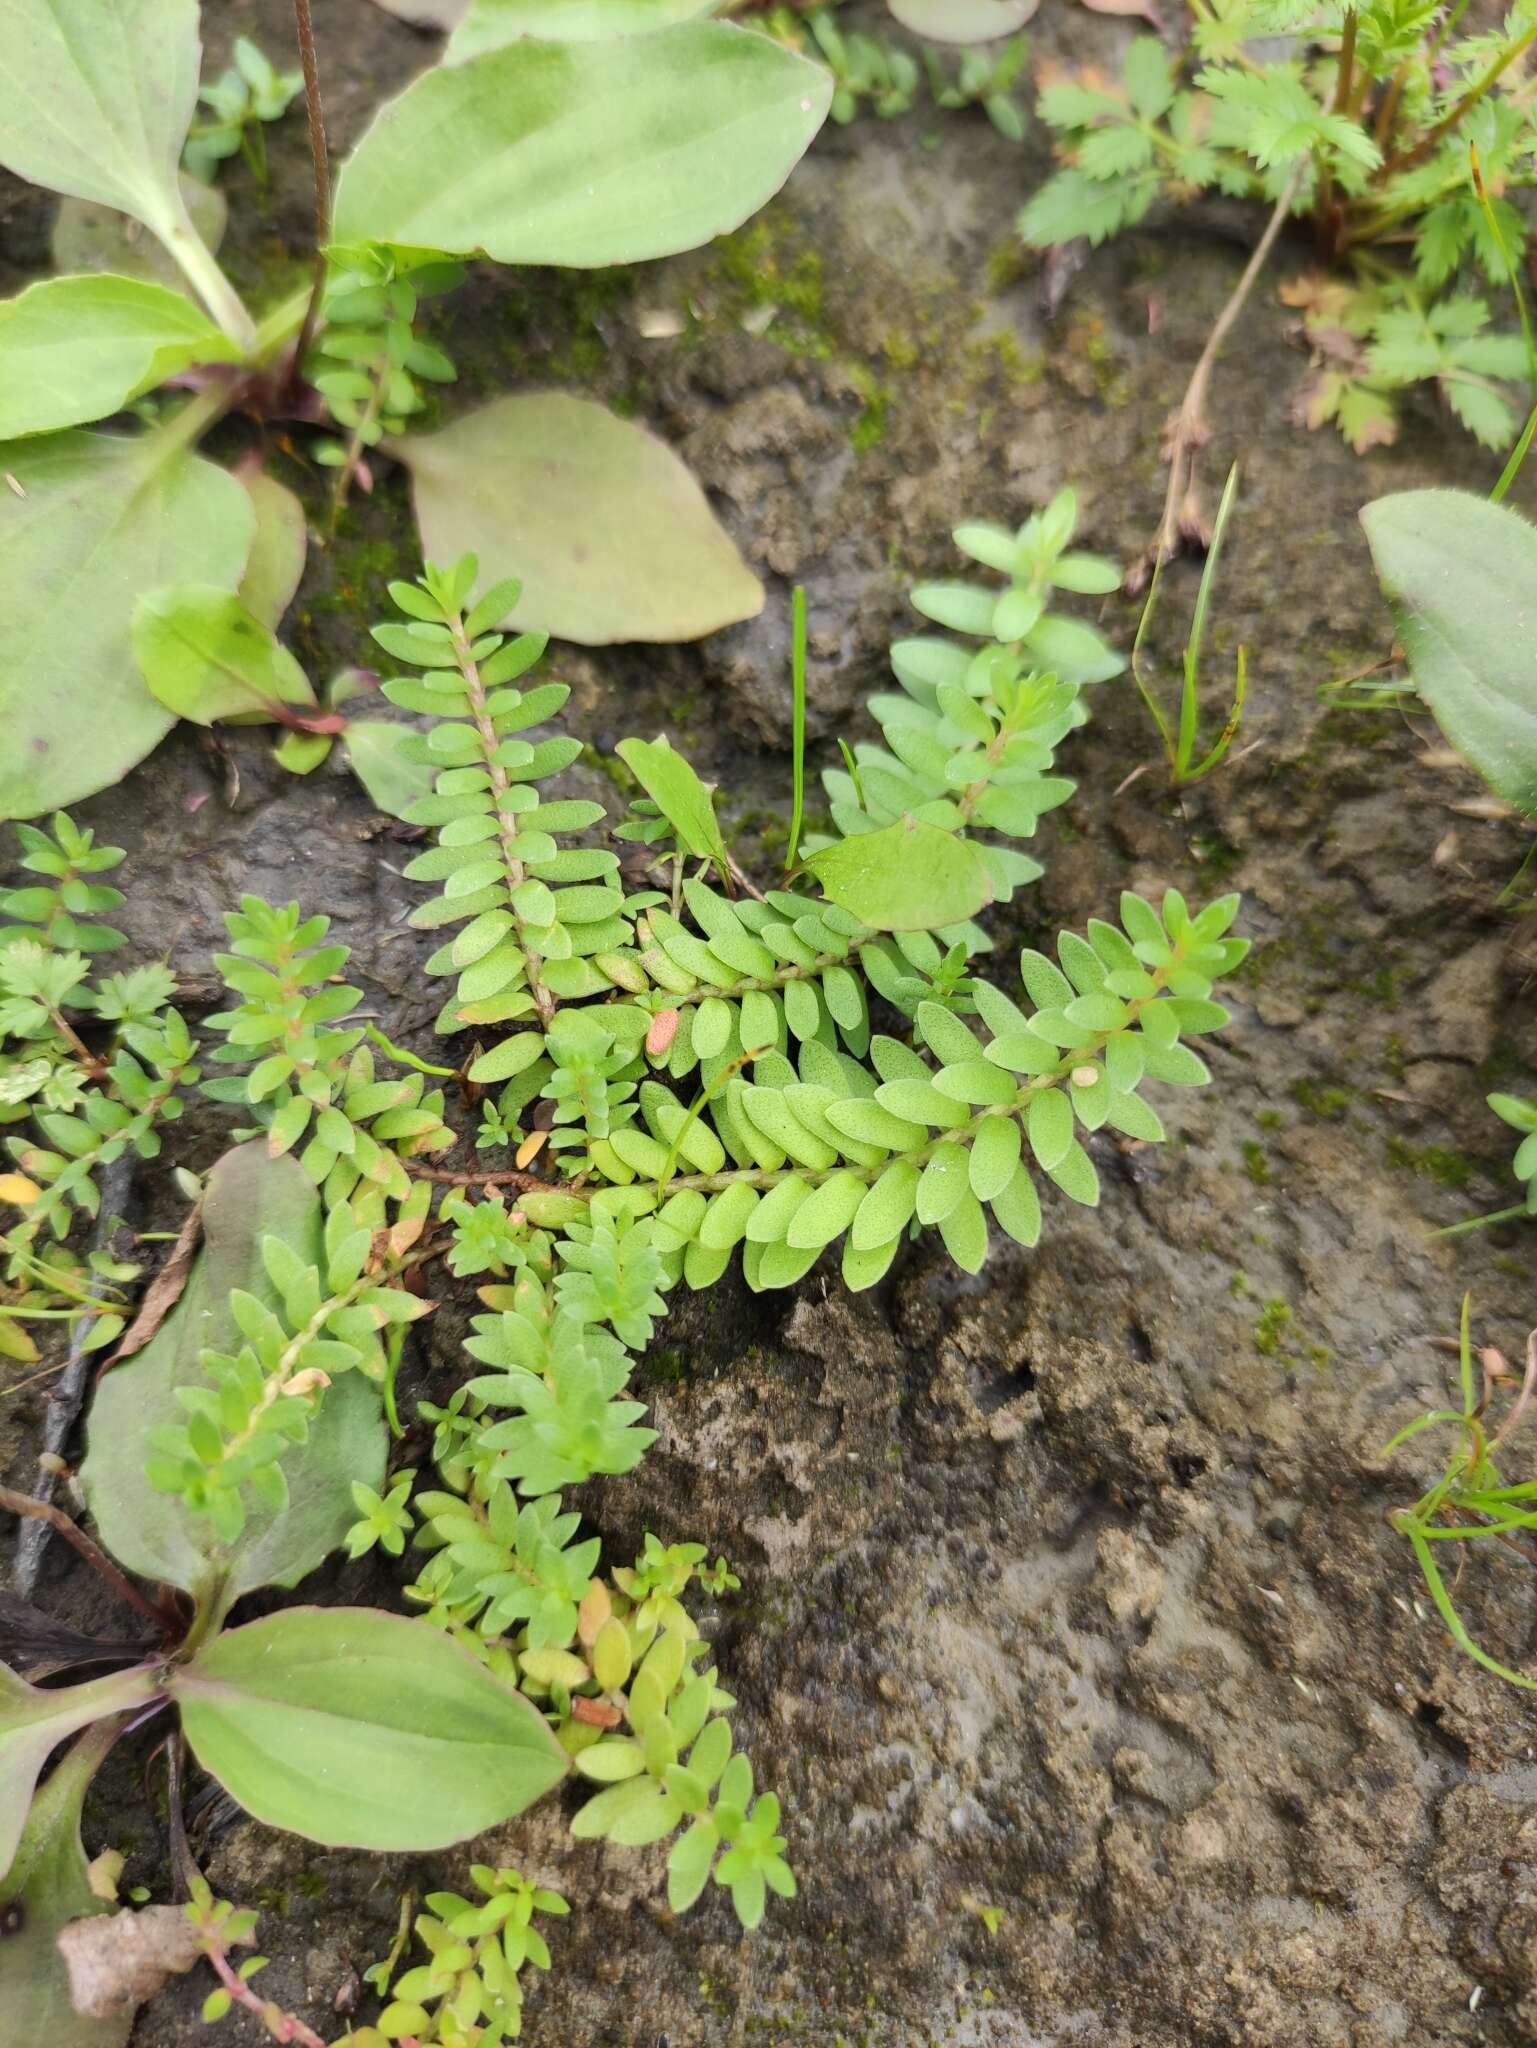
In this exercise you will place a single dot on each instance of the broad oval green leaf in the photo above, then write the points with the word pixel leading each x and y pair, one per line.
pixel 491 24
pixel 907 877
pixel 676 790
pixel 96 97
pixel 363 1730
pixel 586 153
pixel 963 21
pixel 205 656
pixel 88 237
pixel 275 566
pixel 74 349
pixel 611 535
pixel 249 1196
pixel 87 522
pixel 1461 576
pixel 376 750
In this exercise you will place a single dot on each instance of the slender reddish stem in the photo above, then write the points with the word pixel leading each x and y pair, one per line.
pixel 44 1511
pixel 321 162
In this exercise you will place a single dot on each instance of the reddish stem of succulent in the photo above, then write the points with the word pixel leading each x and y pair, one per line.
pixel 283 2026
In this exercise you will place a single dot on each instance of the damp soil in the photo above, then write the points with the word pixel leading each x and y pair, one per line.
pixel 1106 1708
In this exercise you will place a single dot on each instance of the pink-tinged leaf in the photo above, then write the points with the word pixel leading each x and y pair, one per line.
pixel 963 21
pixel 664 1029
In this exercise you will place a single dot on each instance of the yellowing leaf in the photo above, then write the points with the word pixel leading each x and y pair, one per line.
pixel 14 1341
pixel 17 1188
pixel 610 534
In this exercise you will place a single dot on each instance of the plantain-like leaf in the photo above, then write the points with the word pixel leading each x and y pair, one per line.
pixel 907 877
pixel 275 566
pixel 74 349
pixel 429 14
pixel 96 97
pixel 963 21
pixel 491 24
pixel 378 753
pixel 363 1730
pixel 1460 575
pixel 93 520
pixel 33 1721
pixel 204 655
pixel 46 1888
pixel 613 538
pixel 249 1196
pixel 683 800
pixel 585 153
pixel 89 237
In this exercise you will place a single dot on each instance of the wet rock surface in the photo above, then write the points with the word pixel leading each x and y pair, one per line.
pixel 1107 1710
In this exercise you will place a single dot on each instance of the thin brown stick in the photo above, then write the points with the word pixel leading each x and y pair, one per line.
pixel 1189 422
pixel 45 1511
pixel 525 1183
pixel 1325 206
pixel 1387 113
pixel 321 162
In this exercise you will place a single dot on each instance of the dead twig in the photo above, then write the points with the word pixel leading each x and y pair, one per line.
pixel 321 163
pixel 1182 518
pixel 508 1177
pixel 44 1511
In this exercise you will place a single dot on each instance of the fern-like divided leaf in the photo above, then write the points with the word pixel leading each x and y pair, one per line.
pixel 532 912
pixel 971 742
pixel 311 1076
pixel 94 1062
pixel 788 1161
